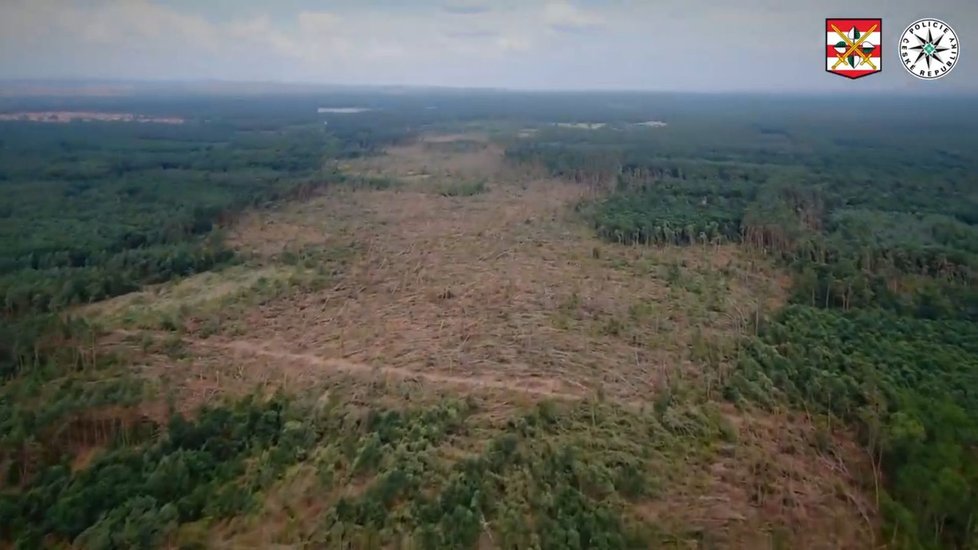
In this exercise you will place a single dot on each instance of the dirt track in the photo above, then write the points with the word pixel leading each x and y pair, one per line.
pixel 539 388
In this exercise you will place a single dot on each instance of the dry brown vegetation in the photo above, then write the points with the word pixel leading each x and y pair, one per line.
pixel 502 287
pixel 506 296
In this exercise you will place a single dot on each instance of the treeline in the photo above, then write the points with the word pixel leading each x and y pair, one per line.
pixel 97 209
pixel 49 289
pixel 678 220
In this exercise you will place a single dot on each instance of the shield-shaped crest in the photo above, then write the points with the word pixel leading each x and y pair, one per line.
pixel 853 47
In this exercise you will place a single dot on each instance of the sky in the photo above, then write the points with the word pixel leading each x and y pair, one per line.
pixel 663 45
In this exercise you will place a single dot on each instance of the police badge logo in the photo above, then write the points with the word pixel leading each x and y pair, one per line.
pixel 929 48
pixel 853 47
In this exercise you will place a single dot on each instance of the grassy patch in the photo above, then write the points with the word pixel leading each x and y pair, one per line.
pixel 206 298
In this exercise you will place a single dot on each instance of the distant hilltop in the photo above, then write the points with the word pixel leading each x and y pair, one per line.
pixel 63 117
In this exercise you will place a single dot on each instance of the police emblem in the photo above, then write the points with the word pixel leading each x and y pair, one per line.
pixel 929 48
pixel 853 47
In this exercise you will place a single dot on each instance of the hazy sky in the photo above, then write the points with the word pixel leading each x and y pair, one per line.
pixel 697 45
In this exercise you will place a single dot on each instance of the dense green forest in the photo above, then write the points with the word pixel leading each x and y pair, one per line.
pixel 881 232
pixel 878 226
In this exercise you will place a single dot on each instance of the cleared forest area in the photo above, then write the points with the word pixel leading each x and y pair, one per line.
pixel 504 299
pixel 442 329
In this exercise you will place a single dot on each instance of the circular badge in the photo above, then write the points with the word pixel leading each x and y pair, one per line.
pixel 929 49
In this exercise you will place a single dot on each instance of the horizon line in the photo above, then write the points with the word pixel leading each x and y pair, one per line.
pixel 119 81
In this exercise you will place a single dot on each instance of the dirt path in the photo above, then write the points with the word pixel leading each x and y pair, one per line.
pixel 254 354
pixel 537 387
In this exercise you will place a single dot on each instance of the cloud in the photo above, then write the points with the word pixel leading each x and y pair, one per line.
pixel 475 33
pixel 317 21
pixel 458 8
pixel 150 38
pixel 523 43
pixel 513 44
pixel 260 31
pixel 566 17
